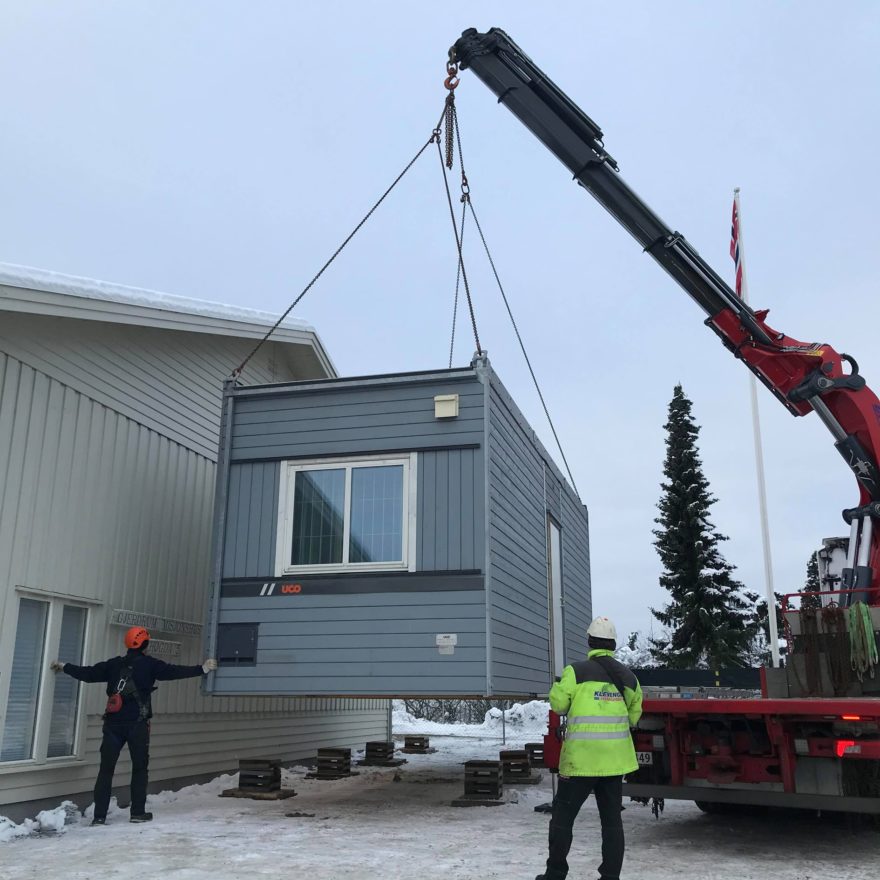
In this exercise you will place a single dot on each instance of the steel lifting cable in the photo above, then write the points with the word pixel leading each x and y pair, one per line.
pixel 450 101
pixel 435 135
pixel 457 286
pixel 466 198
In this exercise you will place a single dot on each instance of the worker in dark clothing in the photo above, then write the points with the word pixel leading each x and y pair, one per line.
pixel 602 699
pixel 130 682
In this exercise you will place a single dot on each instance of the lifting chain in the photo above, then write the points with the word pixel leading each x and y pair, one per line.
pixel 451 83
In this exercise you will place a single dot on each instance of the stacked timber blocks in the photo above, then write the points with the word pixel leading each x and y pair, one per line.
pixel 259 779
pixel 333 764
pixel 380 754
pixel 483 784
pixel 535 751
pixel 257 774
pixel 516 768
pixel 417 745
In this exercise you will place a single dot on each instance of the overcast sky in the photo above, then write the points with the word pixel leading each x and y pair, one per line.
pixel 222 150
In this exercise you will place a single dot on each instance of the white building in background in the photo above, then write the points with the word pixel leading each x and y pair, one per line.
pixel 109 422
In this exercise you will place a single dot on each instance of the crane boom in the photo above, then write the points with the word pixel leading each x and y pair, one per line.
pixel 804 377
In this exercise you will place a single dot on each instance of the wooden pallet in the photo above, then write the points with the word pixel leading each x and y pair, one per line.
pixel 380 754
pixel 254 795
pixel 516 769
pixel 417 745
pixel 333 764
pixel 535 751
pixel 483 780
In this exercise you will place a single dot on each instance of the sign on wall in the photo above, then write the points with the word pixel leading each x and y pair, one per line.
pixel 164 650
pixel 121 617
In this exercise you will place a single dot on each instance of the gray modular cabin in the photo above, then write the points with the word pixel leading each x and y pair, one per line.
pixel 399 535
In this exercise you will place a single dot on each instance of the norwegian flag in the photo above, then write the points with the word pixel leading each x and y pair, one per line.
pixel 734 247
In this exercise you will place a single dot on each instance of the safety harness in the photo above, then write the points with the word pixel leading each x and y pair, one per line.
pixel 124 689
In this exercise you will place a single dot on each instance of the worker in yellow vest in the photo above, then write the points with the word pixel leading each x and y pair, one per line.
pixel 602 699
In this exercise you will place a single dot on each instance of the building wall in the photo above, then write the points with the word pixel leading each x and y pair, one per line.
pixel 169 380
pixel 308 421
pixel 374 642
pixel 105 502
pixel 523 490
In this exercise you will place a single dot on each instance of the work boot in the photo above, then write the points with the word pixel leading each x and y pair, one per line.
pixel 141 817
pixel 99 820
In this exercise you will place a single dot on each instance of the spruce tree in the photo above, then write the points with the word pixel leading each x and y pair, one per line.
pixel 812 584
pixel 708 622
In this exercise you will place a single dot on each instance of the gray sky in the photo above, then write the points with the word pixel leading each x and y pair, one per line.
pixel 222 150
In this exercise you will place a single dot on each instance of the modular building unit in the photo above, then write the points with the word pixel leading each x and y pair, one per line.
pixel 393 535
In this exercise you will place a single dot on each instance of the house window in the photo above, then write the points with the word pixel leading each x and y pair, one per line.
pixel 346 515
pixel 24 681
pixel 42 708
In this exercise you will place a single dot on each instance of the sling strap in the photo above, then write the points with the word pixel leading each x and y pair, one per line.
pixel 613 674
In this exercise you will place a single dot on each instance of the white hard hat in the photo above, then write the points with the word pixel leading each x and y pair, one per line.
pixel 602 628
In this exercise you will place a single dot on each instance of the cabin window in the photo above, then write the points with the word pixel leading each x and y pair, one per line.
pixel 346 515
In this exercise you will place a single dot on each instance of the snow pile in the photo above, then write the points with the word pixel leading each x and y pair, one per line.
pixel 519 720
pixel 47 822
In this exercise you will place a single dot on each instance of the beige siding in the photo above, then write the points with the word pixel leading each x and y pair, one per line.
pixel 169 380
pixel 96 502
pixel 189 744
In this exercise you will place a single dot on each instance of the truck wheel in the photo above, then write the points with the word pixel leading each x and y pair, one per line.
pixel 714 809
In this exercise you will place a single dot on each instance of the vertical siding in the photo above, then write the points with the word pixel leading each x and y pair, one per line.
pixel 170 380
pixel 252 520
pixel 96 505
pixel 450 521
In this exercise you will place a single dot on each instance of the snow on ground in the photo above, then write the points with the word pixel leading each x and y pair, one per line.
pixel 397 825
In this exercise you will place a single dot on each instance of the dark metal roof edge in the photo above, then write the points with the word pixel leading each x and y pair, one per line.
pixel 304 385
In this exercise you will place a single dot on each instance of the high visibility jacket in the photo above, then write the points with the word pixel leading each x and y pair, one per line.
pixel 597 737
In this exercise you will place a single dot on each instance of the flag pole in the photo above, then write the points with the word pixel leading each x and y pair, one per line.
pixel 759 461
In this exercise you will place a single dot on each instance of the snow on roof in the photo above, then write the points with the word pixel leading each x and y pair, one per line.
pixel 54 282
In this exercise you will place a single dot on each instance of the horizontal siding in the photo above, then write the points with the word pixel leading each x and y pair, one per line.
pixel 189 744
pixel 524 487
pixel 520 639
pixel 577 594
pixel 251 520
pixel 351 420
pixel 169 381
pixel 451 519
pixel 365 643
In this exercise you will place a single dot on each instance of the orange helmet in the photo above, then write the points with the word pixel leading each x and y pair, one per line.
pixel 136 637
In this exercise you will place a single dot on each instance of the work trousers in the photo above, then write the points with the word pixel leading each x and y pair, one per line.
pixel 137 737
pixel 570 797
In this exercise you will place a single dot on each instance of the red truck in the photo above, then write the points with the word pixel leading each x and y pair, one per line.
pixel 812 739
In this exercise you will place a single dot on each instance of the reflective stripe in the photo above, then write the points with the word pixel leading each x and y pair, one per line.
pixel 600 719
pixel 597 734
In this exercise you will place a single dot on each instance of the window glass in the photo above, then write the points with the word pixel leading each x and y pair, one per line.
pixel 376 514
pixel 24 681
pixel 65 701
pixel 318 517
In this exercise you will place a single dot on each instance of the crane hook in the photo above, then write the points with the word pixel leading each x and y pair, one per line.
pixel 452 80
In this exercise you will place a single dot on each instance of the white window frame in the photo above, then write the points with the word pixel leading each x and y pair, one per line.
pixel 45 699
pixel 284 542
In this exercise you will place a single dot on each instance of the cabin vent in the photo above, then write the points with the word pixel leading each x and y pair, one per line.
pixel 446 406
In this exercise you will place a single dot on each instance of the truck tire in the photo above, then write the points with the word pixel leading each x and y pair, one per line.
pixel 712 808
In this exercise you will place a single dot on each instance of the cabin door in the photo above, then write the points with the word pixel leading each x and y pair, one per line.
pixel 554 596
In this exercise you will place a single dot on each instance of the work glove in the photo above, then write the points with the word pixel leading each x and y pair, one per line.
pixel 56 666
pixel 209 665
